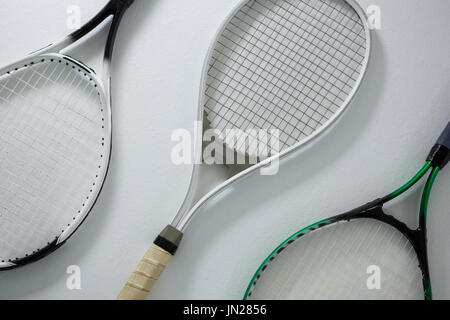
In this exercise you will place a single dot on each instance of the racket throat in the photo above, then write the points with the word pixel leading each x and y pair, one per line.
pixel 169 239
pixel 439 156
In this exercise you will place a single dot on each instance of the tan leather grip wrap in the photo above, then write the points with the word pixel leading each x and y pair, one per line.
pixel 146 274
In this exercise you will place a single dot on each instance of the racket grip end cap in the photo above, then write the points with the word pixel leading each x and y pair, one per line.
pixel 152 265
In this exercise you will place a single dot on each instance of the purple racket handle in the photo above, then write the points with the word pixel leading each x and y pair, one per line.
pixel 440 154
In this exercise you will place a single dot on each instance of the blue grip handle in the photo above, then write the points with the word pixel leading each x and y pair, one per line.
pixel 444 139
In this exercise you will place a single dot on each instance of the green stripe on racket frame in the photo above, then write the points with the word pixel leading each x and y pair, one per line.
pixel 331 259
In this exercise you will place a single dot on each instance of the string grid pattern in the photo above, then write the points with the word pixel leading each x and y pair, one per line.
pixel 53 145
pixel 332 263
pixel 288 65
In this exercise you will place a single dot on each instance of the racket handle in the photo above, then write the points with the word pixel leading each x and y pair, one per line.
pixel 152 265
pixel 444 139
pixel 146 274
pixel 440 154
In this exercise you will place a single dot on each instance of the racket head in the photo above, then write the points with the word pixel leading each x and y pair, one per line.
pixel 274 65
pixel 338 258
pixel 55 147
pixel 259 151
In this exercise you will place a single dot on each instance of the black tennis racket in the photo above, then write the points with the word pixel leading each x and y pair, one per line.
pixel 331 259
pixel 55 143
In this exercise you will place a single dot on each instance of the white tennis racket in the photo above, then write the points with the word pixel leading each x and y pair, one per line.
pixel 55 144
pixel 284 66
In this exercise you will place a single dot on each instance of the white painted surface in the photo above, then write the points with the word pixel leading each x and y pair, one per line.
pixel 380 142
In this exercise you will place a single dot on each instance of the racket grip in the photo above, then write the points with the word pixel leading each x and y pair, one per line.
pixel 444 139
pixel 152 265
pixel 440 154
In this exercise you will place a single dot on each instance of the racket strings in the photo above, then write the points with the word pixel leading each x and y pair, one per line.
pixel 39 103
pixel 305 124
pixel 337 277
pixel 316 263
pixel 53 151
pixel 332 263
pixel 341 23
pixel 390 237
pixel 279 65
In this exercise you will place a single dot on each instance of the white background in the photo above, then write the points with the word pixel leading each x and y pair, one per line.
pixel 382 140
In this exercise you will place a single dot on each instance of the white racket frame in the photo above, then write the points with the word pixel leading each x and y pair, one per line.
pixel 187 211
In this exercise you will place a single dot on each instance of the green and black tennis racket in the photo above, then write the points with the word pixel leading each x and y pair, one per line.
pixel 334 258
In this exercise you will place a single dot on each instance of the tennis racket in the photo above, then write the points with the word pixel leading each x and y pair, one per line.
pixel 333 258
pixel 284 66
pixel 55 144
